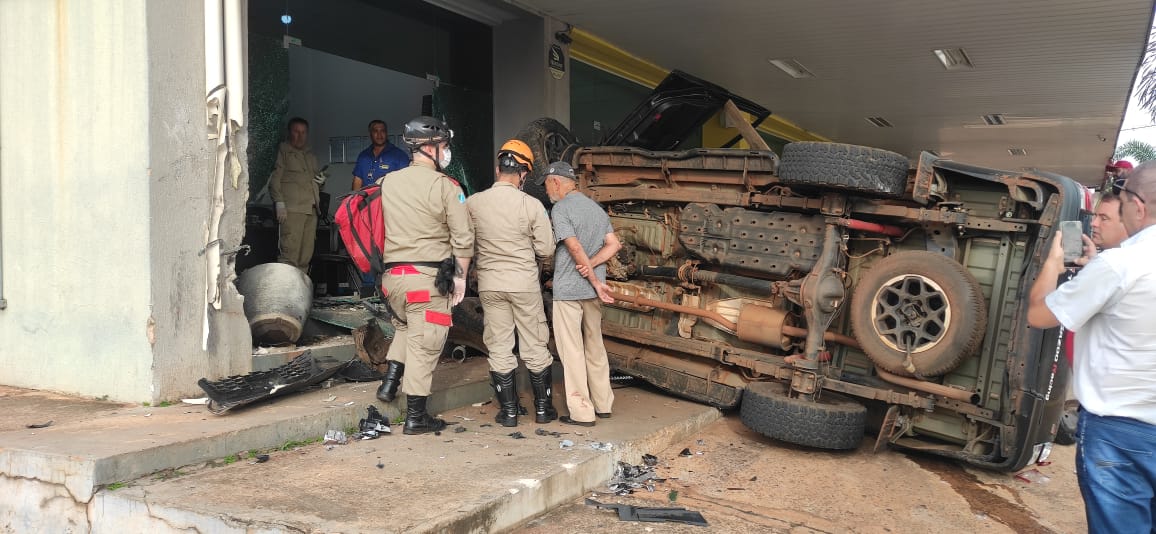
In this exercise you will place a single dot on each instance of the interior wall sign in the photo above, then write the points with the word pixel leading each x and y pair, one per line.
pixel 556 59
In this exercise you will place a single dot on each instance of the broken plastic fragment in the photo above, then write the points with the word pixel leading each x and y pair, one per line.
pixel 604 447
pixel 202 400
pixel 649 514
pixel 1033 475
pixel 478 404
pixel 565 444
pixel 544 432
pixel 331 398
pixel 516 435
pixel 335 437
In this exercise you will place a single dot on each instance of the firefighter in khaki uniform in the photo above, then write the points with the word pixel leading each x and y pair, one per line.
pixel 425 222
pixel 513 234
pixel 294 188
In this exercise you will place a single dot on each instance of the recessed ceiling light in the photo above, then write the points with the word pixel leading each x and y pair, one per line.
pixel 993 119
pixel 953 58
pixel 793 68
pixel 879 122
pixel 1016 151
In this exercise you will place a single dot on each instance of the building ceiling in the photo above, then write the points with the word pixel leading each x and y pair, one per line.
pixel 1058 71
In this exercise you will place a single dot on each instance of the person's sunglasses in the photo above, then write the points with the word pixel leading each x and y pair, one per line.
pixel 1118 187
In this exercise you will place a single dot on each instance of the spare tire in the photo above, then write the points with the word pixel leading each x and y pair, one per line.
pixel 550 141
pixel 920 301
pixel 852 168
pixel 831 422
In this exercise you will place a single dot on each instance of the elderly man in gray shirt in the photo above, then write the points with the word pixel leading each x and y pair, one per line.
pixel 581 225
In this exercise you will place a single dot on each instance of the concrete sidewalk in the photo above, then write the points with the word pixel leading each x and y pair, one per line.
pixel 141 469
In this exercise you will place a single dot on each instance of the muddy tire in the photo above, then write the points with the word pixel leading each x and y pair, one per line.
pixel 1068 426
pixel 853 168
pixel 922 300
pixel 550 141
pixel 469 323
pixel 832 422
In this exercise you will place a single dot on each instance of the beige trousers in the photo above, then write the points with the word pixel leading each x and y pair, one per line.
pixel 578 335
pixel 505 312
pixel 417 343
pixel 296 239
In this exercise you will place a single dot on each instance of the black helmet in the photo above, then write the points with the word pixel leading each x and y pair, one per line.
pixel 425 130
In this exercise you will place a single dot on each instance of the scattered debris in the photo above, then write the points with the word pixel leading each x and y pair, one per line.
pixel 565 444
pixel 479 404
pixel 686 452
pixel 459 429
pixel 328 383
pixel 374 424
pixel 754 478
pixel 628 478
pixel 604 447
pixel 330 398
pixel 543 432
pixel 650 460
pixel 700 443
pixel 40 425
pixel 652 514
pixel 516 435
pixel 380 465
pixel 350 403
pixel 673 495
pixel 261 458
pixel 1033 475
pixel 335 437
pixel 202 400
pixel 464 418
pixel 484 425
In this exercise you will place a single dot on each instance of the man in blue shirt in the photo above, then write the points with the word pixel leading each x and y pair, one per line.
pixel 378 159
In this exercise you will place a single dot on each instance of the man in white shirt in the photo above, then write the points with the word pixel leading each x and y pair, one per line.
pixel 1108 304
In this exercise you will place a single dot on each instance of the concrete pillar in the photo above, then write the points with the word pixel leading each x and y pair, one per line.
pixel 524 89
pixel 105 169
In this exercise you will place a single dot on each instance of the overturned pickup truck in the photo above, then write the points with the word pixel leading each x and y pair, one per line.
pixel 833 291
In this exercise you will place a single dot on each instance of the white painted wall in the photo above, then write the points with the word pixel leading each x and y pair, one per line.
pixel 105 179
pixel 74 180
pixel 524 90
pixel 339 97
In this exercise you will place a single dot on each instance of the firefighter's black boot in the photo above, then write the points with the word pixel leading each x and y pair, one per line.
pixel 506 391
pixel 417 420
pixel 388 389
pixel 542 384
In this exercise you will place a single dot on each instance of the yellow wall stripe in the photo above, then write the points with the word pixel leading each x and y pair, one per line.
pixel 593 50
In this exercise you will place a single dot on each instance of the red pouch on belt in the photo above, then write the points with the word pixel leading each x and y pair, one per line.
pixel 439 318
pixel 417 297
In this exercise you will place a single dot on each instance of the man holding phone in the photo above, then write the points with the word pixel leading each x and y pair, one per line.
pixel 1107 303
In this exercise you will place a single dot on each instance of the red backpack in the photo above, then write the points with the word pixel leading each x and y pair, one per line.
pixel 359 220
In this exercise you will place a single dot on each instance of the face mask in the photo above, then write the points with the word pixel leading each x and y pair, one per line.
pixel 445 161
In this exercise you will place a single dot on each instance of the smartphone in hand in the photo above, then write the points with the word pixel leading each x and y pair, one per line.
pixel 1072 241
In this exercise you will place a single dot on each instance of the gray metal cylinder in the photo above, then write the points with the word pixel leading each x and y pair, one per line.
pixel 277 301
